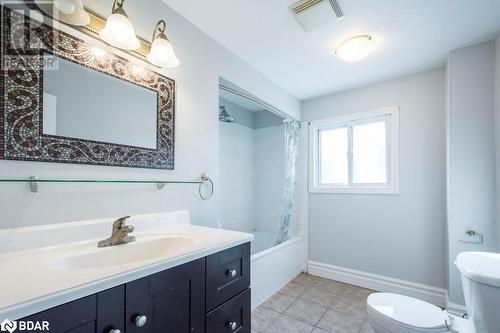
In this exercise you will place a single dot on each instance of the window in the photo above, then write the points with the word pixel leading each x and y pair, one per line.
pixel 355 153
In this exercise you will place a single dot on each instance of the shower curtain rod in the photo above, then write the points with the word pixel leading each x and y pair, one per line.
pixel 257 101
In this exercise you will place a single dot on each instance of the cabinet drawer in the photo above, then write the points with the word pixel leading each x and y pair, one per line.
pixel 233 316
pixel 228 274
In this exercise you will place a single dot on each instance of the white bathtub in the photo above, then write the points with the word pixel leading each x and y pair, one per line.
pixel 274 266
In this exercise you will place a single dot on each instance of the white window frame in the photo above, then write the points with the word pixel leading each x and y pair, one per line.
pixel 391 116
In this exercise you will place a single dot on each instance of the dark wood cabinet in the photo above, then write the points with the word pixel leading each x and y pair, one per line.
pixel 111 310
pixel 209 295
pixel 74 317
pixel 232 316
pixel 99 313
pixel 171 301
pixel 228 274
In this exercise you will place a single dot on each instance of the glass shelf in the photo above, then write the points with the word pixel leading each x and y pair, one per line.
pixel 109 181
pixel 34 183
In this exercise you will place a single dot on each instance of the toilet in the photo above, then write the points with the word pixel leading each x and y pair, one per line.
pixel 480 273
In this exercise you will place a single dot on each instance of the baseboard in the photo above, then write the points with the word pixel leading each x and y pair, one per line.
pixel 436 296
pixel 455 309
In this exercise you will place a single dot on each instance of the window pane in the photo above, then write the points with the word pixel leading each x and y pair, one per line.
pixel 333 162
pixel 369 153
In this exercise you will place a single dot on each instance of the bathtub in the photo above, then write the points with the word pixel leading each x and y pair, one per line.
pixel 274 266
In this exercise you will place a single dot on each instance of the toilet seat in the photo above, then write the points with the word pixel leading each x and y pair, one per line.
pixel 398 313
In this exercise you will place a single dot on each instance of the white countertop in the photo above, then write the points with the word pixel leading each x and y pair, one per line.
pixel 34 276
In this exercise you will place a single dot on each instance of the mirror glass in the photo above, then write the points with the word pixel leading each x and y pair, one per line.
pixel 82 103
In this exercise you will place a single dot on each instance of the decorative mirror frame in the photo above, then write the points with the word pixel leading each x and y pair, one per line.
pixel 21 119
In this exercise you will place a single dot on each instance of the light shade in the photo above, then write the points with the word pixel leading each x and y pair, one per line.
pixel 161 52
pixel 119 31
pixel 355 48
pixel 67 11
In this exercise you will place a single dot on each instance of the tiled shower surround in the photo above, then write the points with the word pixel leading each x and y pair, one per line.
pixel 311 304
pixel 252 176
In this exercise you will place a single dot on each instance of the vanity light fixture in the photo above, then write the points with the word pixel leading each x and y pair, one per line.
pixel 119 31
pixel 68 11
pixel 355 48
pixel 161 52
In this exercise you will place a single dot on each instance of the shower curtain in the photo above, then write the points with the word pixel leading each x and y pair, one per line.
pixel 291 146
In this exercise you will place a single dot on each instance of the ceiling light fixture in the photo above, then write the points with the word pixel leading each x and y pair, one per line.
pixel 67 11
pixel 355 48
pixel 161 52
pixel 119 31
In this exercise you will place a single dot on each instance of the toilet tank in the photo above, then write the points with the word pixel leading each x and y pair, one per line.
pixel 480 273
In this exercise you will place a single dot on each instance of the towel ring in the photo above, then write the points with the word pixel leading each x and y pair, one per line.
pixel 206 180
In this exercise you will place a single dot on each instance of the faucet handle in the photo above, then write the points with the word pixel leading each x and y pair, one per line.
pixel 119 222
pixel 128 228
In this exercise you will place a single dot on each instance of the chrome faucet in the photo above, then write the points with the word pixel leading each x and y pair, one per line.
pixel 119 235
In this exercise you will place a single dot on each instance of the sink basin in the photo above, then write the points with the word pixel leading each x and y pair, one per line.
pixel 141 250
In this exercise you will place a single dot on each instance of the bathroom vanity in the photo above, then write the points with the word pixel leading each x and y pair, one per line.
pixel 175 278
pixel 209 295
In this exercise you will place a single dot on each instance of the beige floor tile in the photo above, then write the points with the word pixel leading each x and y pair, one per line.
pixel 319 330
pixel 262 318
pixel 352 306
pixel 309 313
pixel 356 292
pixel 366 328
pixel 285 324
pixel 293 289
pixel 330 285
pixel 305 279
pixel 334 307
pixel 318 296
pixel 335 322
pixel 278 302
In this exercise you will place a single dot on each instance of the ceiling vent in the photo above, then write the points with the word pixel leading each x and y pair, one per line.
pixel 312 14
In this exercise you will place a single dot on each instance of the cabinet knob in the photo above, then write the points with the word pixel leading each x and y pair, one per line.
pixel 140 320
pixel 232 325
pixel 231 272
pixel 115 330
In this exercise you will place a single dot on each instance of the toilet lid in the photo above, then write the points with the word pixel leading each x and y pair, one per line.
pixel 408 311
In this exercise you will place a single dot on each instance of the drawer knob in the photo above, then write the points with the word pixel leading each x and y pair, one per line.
pixel 140 320
pixel 232 325
pixel 115 330
pixel 231 272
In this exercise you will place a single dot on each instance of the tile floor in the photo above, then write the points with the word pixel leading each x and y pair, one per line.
pixel 311 304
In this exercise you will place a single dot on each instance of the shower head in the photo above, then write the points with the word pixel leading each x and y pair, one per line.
pixel 224 116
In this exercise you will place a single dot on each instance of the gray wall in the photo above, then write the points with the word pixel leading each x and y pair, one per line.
pixel 497 136
pixel 265 119
pixel 240 114
pixel 251 119
pixel 471 152
pixel 401 236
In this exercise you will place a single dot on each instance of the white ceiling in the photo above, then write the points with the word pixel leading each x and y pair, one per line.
pixel 411 36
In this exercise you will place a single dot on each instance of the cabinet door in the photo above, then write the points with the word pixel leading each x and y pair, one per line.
pixel 172 301
pixel 99 313
pixel 111 310
pixel 74 317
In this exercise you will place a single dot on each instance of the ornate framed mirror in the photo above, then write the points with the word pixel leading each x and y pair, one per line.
pixel 67 101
